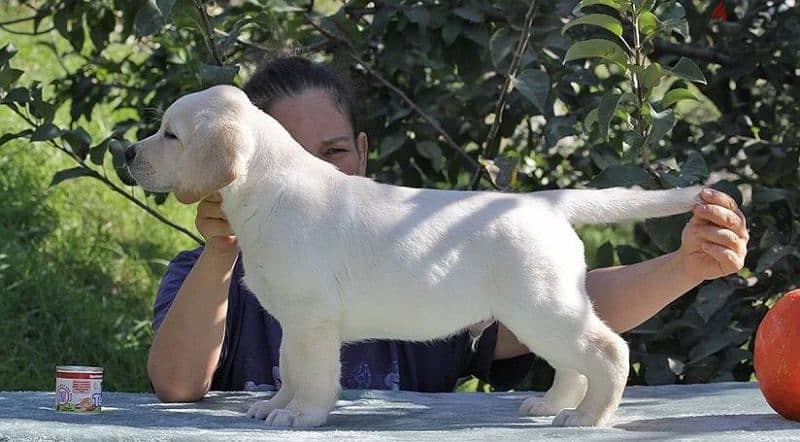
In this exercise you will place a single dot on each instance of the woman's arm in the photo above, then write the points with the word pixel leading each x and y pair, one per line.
pixel 186 347
pixel 713 244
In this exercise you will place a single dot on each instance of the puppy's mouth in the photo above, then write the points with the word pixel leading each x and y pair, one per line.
pixel 146 177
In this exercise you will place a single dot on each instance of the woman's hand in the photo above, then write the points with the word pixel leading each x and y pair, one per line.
pixel 714 241
pixel 213 225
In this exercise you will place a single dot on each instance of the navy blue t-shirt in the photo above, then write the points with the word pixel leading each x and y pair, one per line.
pixel 249 357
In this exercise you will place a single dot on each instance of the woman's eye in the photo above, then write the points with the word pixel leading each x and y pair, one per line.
pixel 169 135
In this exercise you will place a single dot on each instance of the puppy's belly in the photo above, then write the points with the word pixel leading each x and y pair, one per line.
pixel 411 318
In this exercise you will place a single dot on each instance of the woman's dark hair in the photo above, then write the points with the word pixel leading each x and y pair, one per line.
pixel 291 76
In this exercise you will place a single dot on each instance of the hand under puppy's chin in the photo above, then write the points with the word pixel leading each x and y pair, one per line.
pixel 222 244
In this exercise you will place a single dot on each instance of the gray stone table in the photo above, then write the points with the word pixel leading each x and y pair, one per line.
pixel 725 412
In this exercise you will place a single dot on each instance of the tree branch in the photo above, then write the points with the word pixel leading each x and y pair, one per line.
pixel 113 186
pixel 428 119
pixel 492 144
pixel 706 54
pixel 208 32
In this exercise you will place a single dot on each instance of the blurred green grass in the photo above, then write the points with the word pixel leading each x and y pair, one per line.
pixel 79 265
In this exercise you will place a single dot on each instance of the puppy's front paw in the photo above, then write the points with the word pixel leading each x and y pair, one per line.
pixel 297 419
pixel 536 406
pixel 262 409
pixel 573 418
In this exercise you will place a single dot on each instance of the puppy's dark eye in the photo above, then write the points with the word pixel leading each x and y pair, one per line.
pixel 169 135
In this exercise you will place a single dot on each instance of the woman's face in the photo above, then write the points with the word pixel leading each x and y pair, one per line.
pixel 314 120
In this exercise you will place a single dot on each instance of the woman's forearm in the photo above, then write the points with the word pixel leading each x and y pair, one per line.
pixel 626 296
pixel 186 348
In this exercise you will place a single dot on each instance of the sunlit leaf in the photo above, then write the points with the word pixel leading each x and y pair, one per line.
pixel 606 22
pixel 597 48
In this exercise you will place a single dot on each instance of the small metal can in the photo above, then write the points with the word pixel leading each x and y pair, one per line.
pixel 79 389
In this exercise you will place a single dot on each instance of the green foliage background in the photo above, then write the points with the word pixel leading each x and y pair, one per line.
pixel 80 262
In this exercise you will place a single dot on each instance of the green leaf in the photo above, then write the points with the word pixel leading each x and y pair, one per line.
pixel 606 22
pixel 97 153
pixel 614 4
pixel 68 174
pixel 165 8
pixel 591 119
pixel 688 70
pixel 7 52
pixel 46 131
pixel 391 144
pixel 533 84
pixel 695 167
pixel 211 75
pixel 433 152
pixel 676 95
pixel 622 175
pixel 662 124
pixel 148 20
pixel 773 255
pixel 672 10
pixel 715 342
pixel 607 108
pixel 469 13
pixel 117 149
pixel 648 23
pixel 711 297
pixel 666 232
pixel 17 95
pixel 8 76
pixel 651 76
pixel 501 45
pixel 451 30
pixel 597 48
pixel 419 15
pixel 79 140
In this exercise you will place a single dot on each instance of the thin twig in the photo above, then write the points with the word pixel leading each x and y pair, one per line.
pixel 428 119
pixel 705 54
pixel 489 149
pixel 208 32
pixel 18 20
pixel 111 185
pixel 4 28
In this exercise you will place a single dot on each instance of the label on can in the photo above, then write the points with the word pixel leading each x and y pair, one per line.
pixel 79 389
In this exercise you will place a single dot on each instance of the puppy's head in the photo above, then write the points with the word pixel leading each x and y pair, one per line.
pixel 201 147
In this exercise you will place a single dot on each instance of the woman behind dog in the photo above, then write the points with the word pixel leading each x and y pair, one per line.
pixel 212 333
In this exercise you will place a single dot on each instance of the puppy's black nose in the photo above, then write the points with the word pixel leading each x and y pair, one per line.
pixel 130 153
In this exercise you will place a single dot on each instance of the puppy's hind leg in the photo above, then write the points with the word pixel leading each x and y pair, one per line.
pixel 604 361
pixel 574 341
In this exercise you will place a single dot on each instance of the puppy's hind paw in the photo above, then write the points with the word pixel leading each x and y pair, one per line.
pixel 536 406
pixel 573 418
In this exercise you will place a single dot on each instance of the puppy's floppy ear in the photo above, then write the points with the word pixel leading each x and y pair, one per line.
pixel 215 158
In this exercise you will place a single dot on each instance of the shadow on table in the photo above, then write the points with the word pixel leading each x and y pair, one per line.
pixel 712 423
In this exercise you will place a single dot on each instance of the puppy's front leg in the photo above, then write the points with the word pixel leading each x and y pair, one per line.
pixel 312 359
pixel 262 409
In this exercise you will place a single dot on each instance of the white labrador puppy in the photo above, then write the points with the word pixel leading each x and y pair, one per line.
pixel 338 258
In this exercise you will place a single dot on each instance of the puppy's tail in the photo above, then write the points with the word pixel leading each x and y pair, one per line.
pixel 599 206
